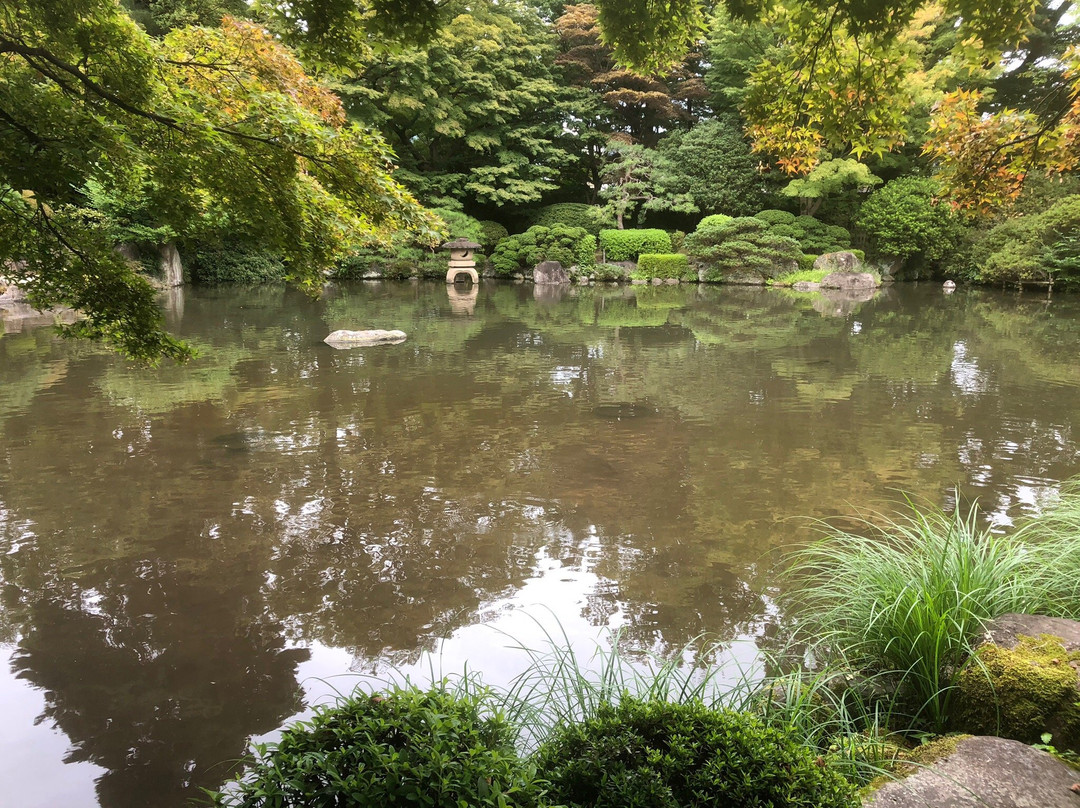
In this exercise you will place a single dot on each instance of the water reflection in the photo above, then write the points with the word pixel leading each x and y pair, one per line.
pixel 173 541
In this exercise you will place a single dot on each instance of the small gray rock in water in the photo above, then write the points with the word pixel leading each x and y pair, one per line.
pixel 948 285
pixel 805 286
pixel 363 339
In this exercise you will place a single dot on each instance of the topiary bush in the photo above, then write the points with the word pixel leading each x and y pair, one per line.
pixel 404 748
pixel 608 272
pixel 233 264
pixel 591 218
pixel 714 221
pixel 492 234
pixel 663 265
pixel 742 245
pixel 774 217
pixel 663 755
pixel 568 245
pixel 627 245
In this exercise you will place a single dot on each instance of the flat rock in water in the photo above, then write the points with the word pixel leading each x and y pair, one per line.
pixel 1007 629
pixel 362 339
pixel 985 773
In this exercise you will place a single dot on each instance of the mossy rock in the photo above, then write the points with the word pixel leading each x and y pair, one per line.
pixel 1022 692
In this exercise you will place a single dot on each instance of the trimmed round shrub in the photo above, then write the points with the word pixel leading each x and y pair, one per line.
pixel 568 245
pixel 663 265
pixel 714 220
pixel 492 234
pixel 663 755
pixel 233 264
pixel 771 217
pixel 744 245
pixel 627 245
pixel 403 748
pixel 592 218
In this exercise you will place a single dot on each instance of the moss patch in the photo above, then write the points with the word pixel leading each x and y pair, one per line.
pixel 1022 693
pixel 909 761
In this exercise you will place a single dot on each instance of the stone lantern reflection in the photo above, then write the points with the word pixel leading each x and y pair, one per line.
pixel 462 259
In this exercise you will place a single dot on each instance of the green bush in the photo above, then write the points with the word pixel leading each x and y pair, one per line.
pixel 715 220
pixel 658 754
pixel 591 218
pixel 608 272
pixel 774 217
pixel 233 264
pixel 568 245
pixel 492 234
pixel 905 220
pixel 627 245
pixel 742 245
pixel 806 262
pixel 1042 247
pixel 404 262
pixel 663 265
pixel 405 748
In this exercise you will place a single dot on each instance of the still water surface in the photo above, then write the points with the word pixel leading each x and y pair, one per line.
pixel 191 556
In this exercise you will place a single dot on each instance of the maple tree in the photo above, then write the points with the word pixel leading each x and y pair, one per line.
pixel 205 119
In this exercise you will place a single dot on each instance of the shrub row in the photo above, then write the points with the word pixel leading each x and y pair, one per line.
pixel 627 245
pixel 410 747
pixel 663 265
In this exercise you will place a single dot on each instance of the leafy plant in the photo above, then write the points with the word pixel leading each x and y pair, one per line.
pixel 910 594
pixel 663 265
pixel 568 245
pixel 234 264
pixel 742 245
pixel 904 219
pixel 592 218
pixel 405 747
pixel 627 245
pixel 644 754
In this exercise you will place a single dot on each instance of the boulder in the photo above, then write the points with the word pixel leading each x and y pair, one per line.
pixel 1026 682
pixel 849 281
pixel 948 286
pixel 843 261
pixel 550 272
pixel 805 286
pixel 363 339
pixel 985 773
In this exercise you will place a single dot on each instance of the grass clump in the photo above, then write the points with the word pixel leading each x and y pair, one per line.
pixel 405 747
pixel 802 276
pixel 912 594
pixel 653 754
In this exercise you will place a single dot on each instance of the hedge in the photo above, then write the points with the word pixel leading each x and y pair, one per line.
pixel 627 245
pixel 663 265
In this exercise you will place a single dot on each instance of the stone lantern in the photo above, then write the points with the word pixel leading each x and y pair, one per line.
pixel 462 259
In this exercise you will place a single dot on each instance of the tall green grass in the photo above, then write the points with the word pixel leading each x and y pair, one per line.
pixel 911 594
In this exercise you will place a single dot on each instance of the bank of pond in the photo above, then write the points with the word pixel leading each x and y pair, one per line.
pixel 911 633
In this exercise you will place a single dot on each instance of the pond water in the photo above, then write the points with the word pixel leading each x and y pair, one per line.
pixel 190 556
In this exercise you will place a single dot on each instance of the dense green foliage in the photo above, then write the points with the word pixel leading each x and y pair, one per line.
pixel 570 246
pixel 906 219
pixel 1042 247
pixel 404 748
pixel 627 245
pixel 663 265
pixel 649 754
pixel 713 166
pixel 232 264
pixel 745 245
pixel 573 214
